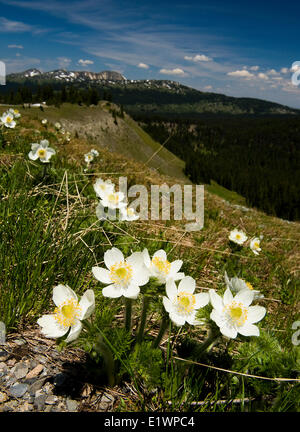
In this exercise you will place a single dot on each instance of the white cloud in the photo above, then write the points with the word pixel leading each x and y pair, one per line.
pixel 143 66
pixel 284 70
pixel 175 71
pixel 63 62
pixel 85 62
pixel 272 72
pixel 241 74
pixel 198 58
pixel 208 87
pixel 263 76
pixel 15 46
pixel 254 68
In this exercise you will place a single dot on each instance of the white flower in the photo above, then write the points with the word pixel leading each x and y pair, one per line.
pixel 238 237
pixel 95 152
pixel 8 120
pixel 255 245
pixel 235 285
pixel 103 188
pixel 160 268
pixel 57 125
pixel 128 214
pixel 62 131
pixel 41 151
pixel 234 315
pixel 68 313
pixel 14 112
pixel 44 121
pixel 88 158
pixel 182 304
pixel 124 276
pixel 113 200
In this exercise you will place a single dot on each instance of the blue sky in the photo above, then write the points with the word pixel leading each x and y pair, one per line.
pixel 239 48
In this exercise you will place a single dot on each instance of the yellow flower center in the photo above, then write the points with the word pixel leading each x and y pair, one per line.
pixel 41 153
pixel 121 273
pixel 249 285
pixel 113 198
pixel 256 245
pixel 237 313
pixel 16 111
pixel 67 313
pixel 185 303
pixel 238 236
pixel 162 265
pixel 9 119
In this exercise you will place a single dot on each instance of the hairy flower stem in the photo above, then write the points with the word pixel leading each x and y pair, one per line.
pixel 107 356
pixel 209 342
pixel 146 302
pixel 163 328
pixel 128 312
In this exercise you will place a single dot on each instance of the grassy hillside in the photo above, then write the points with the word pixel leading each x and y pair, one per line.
pixel 50 235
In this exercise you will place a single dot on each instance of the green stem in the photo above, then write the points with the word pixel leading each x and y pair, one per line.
pixel 163 328
pixel 209 342
pixel 128 312
pixel 109 362
pixel 146 302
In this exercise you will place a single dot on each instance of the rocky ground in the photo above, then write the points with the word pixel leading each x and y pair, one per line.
pixel 35 376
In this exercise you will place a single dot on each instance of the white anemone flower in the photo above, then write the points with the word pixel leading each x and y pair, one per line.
pixel 123 276
pixel 181 303
pixel 7 120
pixel 128 214
pixel 238 237
pixel 236 285
pixel 234 315
pixel 113 200
pixel 68 314
pixel 41 151
pixel 88 158
pixel 44 121
pixel 103 187
pixel 160 268
pixel 14 112
pixel 57 125
pixel 255 245
pixel 95 152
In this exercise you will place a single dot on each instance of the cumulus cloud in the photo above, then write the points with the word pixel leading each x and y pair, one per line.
pixel 284 70
pixel 85 62
pixel 263 76
pixel 15 46
pixel 197 58
pixel 241 74
pixel 254 68
pixel 176 71
pixel 143 66
pixel 63 62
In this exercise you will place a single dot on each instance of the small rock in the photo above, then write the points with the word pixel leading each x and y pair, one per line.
pixel 3 355
pixel 3 397
pixel 19 342
pixel 3 366
pixel 18 390
pixel 35 372
pixel 37 385
pixel 39 402
pixel 20 370
pixel 50 400
pixel 11 362
pixel 25 407
pixel 72 405
pixel 106 398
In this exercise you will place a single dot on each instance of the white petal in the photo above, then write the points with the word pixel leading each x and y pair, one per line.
pixel 249 330
pixel 113 256
pixel 140 275
pixel 50 327
pixel 167 304
pixel 228 331
pixel 112 291
pixel 202 299
pixel 171 290
pixel 255 314
pixel 32 155
pixel 244 296
pixel 62 293
pixel 191 319
pixel 101 274
pixel 161 254
pixel 217 317
pixel 87 304
pixel 132 291
pixel 74 332
pixel 187 284
pixel 216 300
pixel 146 257
pixel 178 320
pixel 228 297
pixel 175 266
pixel 177 276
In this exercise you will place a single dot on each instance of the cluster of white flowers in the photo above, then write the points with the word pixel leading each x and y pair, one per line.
pixel 105 190
pixel 90 156
pixel 8 118
pixel 41 151
pixel 239 237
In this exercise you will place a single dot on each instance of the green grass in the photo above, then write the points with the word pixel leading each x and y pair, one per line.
pixel 226 194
